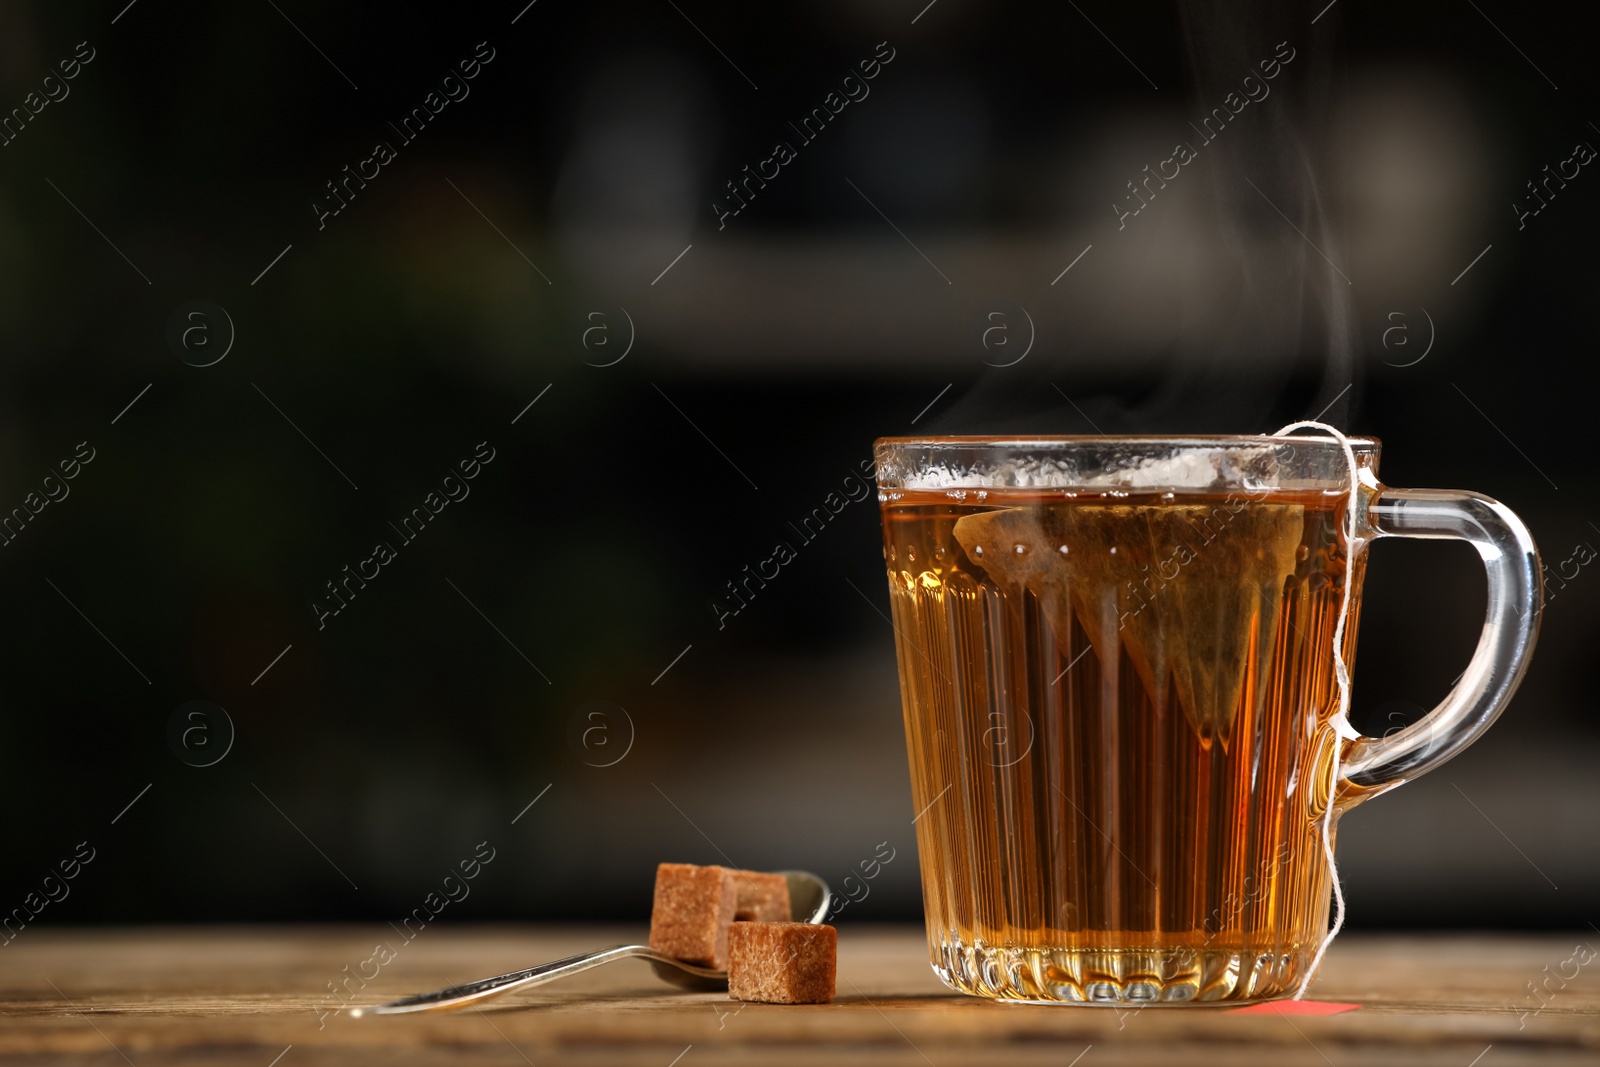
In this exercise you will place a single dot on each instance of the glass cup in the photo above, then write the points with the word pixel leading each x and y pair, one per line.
pixel 1121 705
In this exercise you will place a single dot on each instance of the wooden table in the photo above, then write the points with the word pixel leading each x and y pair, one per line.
pixel 245 995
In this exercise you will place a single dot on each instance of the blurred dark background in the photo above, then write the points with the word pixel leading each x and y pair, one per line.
pixel 1346 246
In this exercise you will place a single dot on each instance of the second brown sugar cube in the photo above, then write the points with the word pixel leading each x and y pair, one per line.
pixel 782 963
pixel 763 898
pixel 693 907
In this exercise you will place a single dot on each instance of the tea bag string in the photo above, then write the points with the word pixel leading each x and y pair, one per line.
pixel 1341 673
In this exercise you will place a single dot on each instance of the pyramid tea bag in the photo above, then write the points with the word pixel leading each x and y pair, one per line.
pixel 1191 590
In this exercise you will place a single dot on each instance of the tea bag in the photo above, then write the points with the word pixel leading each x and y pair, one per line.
pixel 1193 588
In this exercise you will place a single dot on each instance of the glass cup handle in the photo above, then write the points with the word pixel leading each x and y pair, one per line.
pixel 1516 599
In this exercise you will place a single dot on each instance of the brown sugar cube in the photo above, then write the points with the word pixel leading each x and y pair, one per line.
pixel 763 898
pixel 692 910
pixel 782 963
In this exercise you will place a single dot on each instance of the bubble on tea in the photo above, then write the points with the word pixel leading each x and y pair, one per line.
pixel 1191 590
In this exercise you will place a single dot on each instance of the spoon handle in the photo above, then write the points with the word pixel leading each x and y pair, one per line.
pixel 460 996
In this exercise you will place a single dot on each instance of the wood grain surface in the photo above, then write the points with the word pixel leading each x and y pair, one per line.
pixel 261 996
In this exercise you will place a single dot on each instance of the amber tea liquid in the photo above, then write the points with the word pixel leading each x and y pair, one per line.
pixel 1117 712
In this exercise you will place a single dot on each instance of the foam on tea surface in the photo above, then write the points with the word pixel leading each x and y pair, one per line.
pixel 1191 590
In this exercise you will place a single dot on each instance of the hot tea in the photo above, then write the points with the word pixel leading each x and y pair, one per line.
pixel 1117 708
